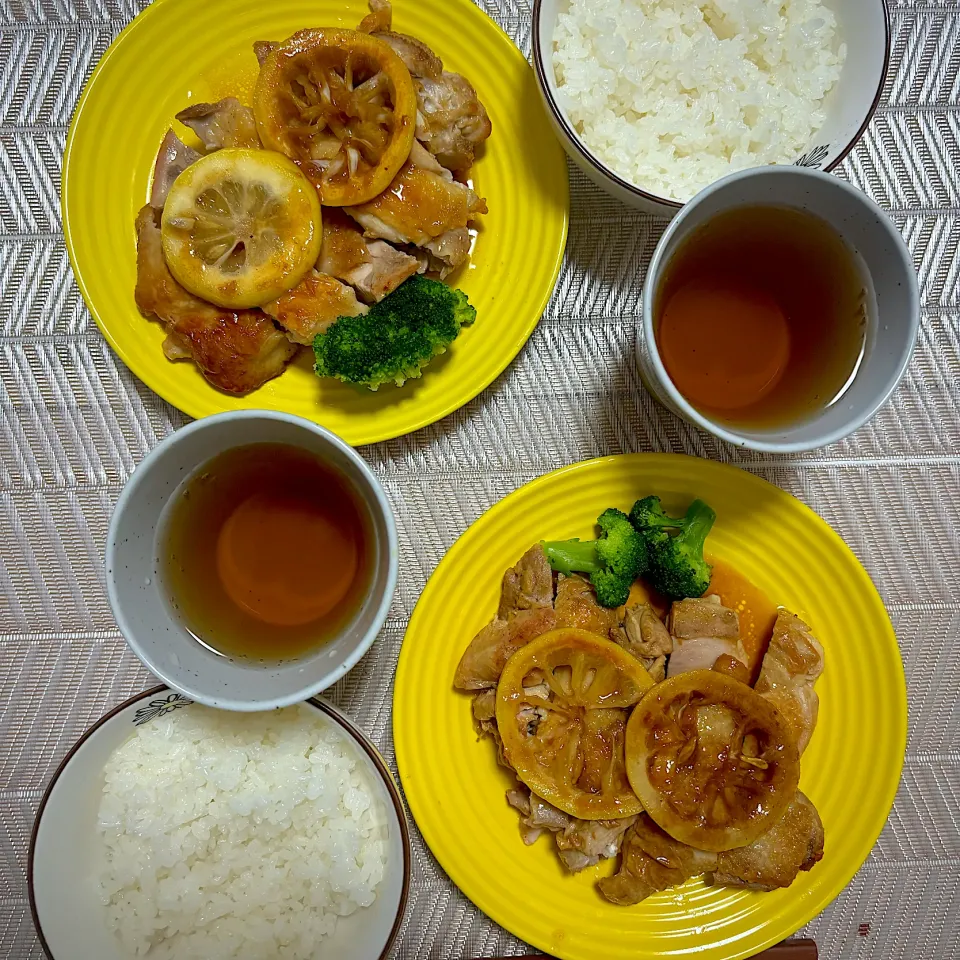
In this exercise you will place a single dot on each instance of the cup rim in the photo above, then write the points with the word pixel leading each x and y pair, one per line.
pixel 584 152
pixel 322 704
pixel 646 336
pixel 305 691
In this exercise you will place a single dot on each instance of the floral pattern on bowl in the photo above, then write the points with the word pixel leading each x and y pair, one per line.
pixel 814 157
pixel 160 708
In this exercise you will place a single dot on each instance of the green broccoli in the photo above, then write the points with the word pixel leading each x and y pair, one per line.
pixel 396 337
pixel 648 515
pixel 677 567
pixel 613 561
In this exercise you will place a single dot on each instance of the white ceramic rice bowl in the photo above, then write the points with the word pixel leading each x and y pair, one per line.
pixel 65 850
pixel 864 26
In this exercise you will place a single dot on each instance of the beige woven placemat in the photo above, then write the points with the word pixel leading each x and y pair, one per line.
pixel 73 423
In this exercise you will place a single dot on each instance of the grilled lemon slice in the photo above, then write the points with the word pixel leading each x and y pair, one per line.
pixel 562 706
pixel 342 105
pixel 241 227
pixel 712 760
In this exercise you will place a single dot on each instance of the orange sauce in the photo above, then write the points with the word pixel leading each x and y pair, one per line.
pixel 756 611
pixel 265 552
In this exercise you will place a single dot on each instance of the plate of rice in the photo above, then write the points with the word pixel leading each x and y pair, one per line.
pixel 172 830
pixel 656 100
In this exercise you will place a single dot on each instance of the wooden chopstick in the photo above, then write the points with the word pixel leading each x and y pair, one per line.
pixel 788 950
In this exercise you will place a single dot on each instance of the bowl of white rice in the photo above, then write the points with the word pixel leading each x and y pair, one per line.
pixel 174 831
pixel 656 99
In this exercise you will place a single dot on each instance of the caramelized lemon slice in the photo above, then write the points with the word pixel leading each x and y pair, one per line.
pixel 562 708
pixel 342 105
pixel 241 227
pixel 712 760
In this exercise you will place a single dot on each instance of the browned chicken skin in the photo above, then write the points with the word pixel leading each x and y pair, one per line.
pixel 792 844
pixel 451 120
pixel 237 351
pixel 311 306
pixel 580 843
pixel 652 861
pixel 577 607
pixel 226 123
pixel 483 661
pixel 373 268
pixel 379 18
pixel 528 584
pixel 791 666
pixel 645 636
pixel 418 208
pixel 703 630
pixel 263 48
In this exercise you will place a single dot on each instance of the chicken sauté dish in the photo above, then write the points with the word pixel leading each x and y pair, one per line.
pixel 652 707
pixel 326 214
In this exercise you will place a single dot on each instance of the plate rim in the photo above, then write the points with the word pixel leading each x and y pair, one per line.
pixel 811 906
pixel 197 407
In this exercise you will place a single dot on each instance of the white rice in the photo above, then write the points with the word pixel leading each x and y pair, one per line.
pixel 237 835
pixel 674 94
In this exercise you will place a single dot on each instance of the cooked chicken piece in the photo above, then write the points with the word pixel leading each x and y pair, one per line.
pixel 418 208
pixel 703 617
pixel 585 843
pixel 652 861
pixel 645 636
pixel 237 351
pixel 577 607
pixel 451 120
pixel 484 659
pixel 601 737
pixel 373 268
pixel 379 18
pixel 312 305
pixel 344 247
pixel 174 157
pixel 528 584
pixel 792 844
pixel 226 123
pixel 580 843
pixel 703 630
pixel 790 668
pixel 485 721
pixel 536 815
pixel 263 48
pixel 386 269
pixel 443 255
pixel 484 709
pixel 732 667
pixel 417 57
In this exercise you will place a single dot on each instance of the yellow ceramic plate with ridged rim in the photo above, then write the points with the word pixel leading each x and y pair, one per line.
pixel 179 52
pixel 456 790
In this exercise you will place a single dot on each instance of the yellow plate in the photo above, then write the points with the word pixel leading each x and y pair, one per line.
pixel 456 790
pixel 181 51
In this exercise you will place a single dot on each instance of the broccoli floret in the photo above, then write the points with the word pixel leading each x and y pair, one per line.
pixel 396 338
pixel 648 515
pixel 613 561
pixel 677 567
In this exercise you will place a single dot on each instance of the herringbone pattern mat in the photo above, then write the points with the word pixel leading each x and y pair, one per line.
pixel 73 423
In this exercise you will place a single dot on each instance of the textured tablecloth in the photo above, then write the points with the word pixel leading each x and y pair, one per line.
pixel 75 422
